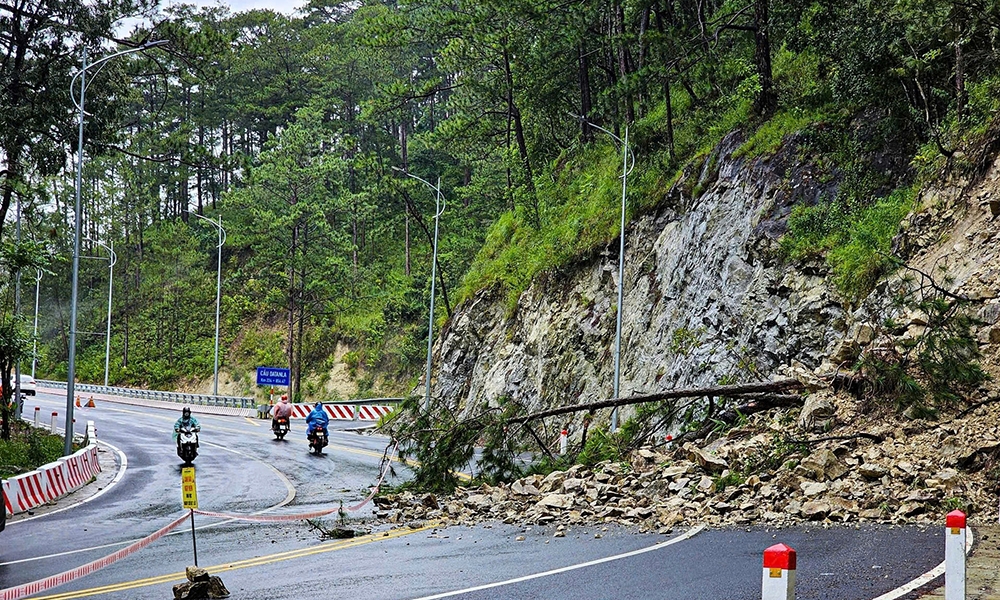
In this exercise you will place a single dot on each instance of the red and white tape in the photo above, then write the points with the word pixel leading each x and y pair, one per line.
pixel 35 587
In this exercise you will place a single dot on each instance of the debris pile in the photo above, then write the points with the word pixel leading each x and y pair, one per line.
pixel 776 469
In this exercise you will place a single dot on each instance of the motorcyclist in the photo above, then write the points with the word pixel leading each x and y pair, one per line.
pixel 281 409
pixel 317 419
pixel 186 422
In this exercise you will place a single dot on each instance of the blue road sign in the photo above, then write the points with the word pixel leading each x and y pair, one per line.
pixel 273 376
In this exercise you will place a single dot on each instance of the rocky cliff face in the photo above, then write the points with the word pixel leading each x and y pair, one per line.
pixel 704 300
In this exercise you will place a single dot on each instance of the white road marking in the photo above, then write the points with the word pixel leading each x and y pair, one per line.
pixel 926 578
pixel 289 496
pixel 687 535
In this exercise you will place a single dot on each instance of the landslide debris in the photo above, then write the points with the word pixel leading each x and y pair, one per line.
pixel 769 471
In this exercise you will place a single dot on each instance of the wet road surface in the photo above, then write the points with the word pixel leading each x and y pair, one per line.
pixel 242 469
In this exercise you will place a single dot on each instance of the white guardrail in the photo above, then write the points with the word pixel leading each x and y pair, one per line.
pixel 366 409
pixel 178 397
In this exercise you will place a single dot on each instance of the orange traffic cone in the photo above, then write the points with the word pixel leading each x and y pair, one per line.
pixel 78 402
pixel 90 403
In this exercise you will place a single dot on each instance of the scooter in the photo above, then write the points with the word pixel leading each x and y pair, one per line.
pixel 280 427
pixel 317 441
pixel 187 444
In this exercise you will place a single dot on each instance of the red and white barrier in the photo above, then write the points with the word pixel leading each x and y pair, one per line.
pixel 37 410
pixel 373 412
pixel 7 506
pixel 954 556
pixel 344 412
pixel 54 480
pixel 779 573
pixel 563 442
pixel 52 423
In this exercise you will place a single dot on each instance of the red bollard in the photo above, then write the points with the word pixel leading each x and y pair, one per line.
pixel 779 573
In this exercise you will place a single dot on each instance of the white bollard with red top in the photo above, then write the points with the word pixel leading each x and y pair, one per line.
pixel 954 556
pixel 52 424
pixel 37 409
pixel 779 573
pixel 563 442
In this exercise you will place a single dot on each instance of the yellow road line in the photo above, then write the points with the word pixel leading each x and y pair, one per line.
pixel 252 422
pixel 242 564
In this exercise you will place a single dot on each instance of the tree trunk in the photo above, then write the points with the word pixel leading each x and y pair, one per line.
pixel 586 101
pixel 767 100
pixel 514 114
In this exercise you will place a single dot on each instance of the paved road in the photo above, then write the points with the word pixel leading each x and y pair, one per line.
pixel 241 469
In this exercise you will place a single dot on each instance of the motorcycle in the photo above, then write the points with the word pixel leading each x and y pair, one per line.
pixel 280 427
pixel 317 441
pixel 187 444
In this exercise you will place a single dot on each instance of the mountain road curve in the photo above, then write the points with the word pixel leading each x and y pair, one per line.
pixel 242 469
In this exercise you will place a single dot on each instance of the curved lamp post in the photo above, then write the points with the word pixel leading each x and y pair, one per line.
pixel 627 156
pixel 438 208
pixel 112 259
pixel 218 295
pixel 78 102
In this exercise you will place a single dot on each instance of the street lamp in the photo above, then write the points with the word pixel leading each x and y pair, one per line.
pixel 438 208
pixel 81 74
pixel 34 337
pixel 218 295
pixel 626 169
pixel 112 259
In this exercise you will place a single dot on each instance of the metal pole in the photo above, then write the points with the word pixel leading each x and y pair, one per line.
pixel 71 366
pixel 112 259
pixel 438 210
pixel 194 540
pixel 626 169
pixel 71 363
pixel 218 299
pixel 218 295
pixel 34 337
pixel 621 277
pixel 17 311
pixel 430 324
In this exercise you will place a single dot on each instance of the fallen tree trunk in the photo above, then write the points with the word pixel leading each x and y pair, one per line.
pixel 732 414
pixel 740 389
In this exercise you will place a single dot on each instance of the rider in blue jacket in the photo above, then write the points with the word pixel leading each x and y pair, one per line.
pixel 317 419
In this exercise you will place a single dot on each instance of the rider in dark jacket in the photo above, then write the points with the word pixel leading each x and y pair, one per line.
pixel 186 422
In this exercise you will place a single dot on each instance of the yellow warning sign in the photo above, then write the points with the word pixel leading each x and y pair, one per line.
pixel 774 572
pixel 189 491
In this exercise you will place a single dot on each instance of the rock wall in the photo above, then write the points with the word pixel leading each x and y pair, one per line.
pixel 702 305
pixel 705 300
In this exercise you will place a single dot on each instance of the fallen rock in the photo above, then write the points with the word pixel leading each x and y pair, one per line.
pixel 709 462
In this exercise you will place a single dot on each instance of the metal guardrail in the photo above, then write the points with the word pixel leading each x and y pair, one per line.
pixel 184 398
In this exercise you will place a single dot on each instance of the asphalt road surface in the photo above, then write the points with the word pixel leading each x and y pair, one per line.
pixel 242 469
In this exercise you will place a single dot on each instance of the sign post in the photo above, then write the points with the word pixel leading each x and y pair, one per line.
pixel 189 493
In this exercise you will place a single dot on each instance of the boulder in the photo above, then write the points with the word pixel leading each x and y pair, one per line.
pixel 709 462
pixel 816 510
pixel 556 501
pixel 825 465
pixel 818 412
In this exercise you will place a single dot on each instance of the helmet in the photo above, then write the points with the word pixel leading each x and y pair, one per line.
pixel 186 412
pixel 317 405
pixel 284 396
